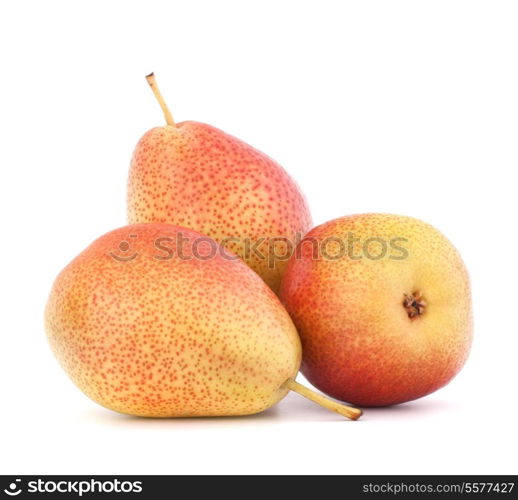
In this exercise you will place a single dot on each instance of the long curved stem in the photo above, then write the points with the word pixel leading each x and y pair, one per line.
pixel 346 411
pixel 154 87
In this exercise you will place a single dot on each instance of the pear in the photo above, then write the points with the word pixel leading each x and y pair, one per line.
pixel 155 320
pixel 193 175
pixel 382 304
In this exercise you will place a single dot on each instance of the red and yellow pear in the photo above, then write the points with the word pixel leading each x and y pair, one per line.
pixel 382 304
pixel 159 321
pixel 194 175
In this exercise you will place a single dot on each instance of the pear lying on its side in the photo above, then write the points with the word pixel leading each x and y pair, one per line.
pixel 383 310
pixel 160 321
pixel 194 175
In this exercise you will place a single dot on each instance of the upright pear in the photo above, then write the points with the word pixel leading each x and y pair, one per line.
pixel 160 321
pixel 194 175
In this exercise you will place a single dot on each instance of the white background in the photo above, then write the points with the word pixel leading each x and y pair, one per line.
pixel 408 107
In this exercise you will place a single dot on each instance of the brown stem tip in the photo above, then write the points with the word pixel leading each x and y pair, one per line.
pixel 154 87
pixel 346 411
pixel 414 304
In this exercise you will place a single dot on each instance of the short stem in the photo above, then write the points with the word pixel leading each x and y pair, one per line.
pixel 154 87
pixel 346 411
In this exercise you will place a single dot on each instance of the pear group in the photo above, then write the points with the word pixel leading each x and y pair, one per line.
pixel 219 290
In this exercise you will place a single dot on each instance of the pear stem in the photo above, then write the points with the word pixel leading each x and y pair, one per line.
pixel 346 411
pixel 154 87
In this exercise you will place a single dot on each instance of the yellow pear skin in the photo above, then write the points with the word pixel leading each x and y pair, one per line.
pixel 170 337
pixel 155 320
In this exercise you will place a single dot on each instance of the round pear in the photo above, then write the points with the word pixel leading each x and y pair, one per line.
pixel 382 304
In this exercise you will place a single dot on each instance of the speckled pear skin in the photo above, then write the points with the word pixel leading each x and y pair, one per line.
pixel 197 176
pixel 145 334
pixel 359 343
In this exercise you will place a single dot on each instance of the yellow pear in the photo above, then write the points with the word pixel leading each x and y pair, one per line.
pixel 382 304
pixel 160 321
